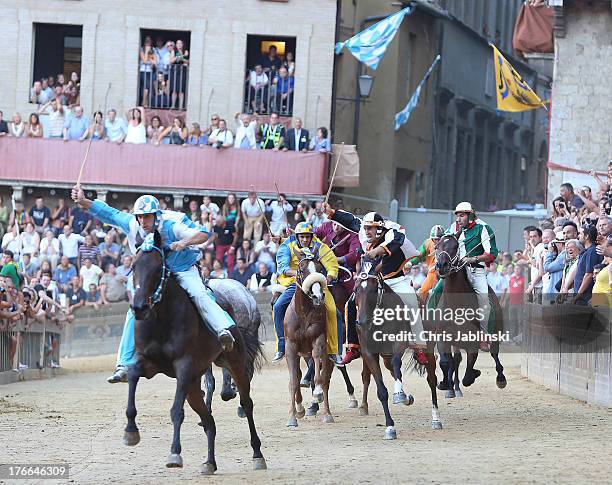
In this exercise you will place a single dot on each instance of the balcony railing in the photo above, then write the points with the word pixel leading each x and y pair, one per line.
pixel 165 89
pixel 268 92
pixel 161 168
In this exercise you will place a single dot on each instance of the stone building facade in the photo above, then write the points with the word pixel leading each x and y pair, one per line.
pixel 219 33
pixel 581 115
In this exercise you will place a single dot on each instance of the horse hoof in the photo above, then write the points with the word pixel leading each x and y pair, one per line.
pixel 131 438
pixel 304 382
pixel 363 411
pixel 443 386
pixel 436 425
pixel 318 393
pixel 328 418
pixel 208 468
pixel 450 394
pixel 501 383
pixel 301 412
pixel 240 412
pixel 228 396
pixel 174 461
pixel 390 433
pixel 458 393
pixel 259 464
pixel 352 404
pixel 468 381
pixel 401 398
pixel 292 423
pixel 312 410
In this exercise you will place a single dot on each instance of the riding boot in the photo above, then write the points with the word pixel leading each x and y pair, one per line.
pixel 307 379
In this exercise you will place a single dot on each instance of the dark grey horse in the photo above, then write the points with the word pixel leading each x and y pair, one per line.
pixel 234 298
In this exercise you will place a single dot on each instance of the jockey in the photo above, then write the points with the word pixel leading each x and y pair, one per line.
pixel 287 265
pixel 477 248
pixel 347 249
pixel 387 240
pixel 427 253
pixel 179 235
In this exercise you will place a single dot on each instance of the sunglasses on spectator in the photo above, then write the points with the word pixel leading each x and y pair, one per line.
pixel 215 119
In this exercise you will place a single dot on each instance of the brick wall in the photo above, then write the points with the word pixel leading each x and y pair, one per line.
pixel 582 100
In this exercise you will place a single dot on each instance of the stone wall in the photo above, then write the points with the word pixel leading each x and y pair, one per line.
pixel 581 100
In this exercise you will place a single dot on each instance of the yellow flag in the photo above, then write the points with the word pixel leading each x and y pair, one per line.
pixel 513 94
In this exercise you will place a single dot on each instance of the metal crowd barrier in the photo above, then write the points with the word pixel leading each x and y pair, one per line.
pixel 34 345
pixel 167 93
pixel 267 98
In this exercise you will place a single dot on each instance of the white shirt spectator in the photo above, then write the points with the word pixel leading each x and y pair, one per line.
pixel 252 210
pixel 255 79
pixel 211 208
pixel 44 246
pixel 247 132
pixel 225 137
pixel 498 282
pixel 12 243
pixel 266 251
pixel 70 245
pixel 91 275
pixel 115 130
pixel 278 220
pixel 538 255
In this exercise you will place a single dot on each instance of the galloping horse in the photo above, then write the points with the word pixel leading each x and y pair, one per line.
pixel 458 294
pixel 236 300
pixel 171 338
pixel 306 334
pixel 370 293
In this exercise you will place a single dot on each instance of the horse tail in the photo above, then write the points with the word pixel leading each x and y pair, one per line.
pixel 255 357
pixel 413 365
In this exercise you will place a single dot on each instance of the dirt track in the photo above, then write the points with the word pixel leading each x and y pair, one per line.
pixel 522 434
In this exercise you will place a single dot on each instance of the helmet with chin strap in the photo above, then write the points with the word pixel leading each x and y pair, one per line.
pixel 303 228
pixel 147 204
pixel 374 219
pixel 466 207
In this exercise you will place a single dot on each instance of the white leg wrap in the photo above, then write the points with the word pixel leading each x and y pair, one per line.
pixel 397 386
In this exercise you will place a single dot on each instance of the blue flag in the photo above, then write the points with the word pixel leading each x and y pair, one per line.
pixel 369 46
pixel 403 115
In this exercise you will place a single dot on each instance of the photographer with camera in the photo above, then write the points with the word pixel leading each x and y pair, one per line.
pixel 221 137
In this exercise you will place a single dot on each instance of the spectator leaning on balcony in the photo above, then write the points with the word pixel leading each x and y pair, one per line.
pixel 34 129
pixel 76 126
pixel 221 137
pixel 115 129
pixel 283 86
pixel 154 130
pixel 136 132
pixel 252 208
pixel 246 127
pixel 3 126
pixel 177 132
pixel 320 142
pixel 57 118
pixel 96 129
pixel 258 89
pixel 17 126
pixel 272 134
pixel 297 138
pixel 196 136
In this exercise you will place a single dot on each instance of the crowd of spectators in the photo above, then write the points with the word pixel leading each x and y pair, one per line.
pixel 250 132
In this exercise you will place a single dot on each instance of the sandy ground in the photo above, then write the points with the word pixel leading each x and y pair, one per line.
pixel 522 434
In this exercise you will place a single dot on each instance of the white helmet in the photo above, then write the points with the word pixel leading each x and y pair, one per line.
pixel 373 219
pixel 147 204
pixel 464 207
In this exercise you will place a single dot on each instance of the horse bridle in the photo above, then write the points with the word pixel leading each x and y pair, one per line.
pixel 156 297
pixel 364 276
pixel 456 263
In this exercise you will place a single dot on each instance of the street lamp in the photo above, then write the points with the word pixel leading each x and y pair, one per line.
pixel 365 85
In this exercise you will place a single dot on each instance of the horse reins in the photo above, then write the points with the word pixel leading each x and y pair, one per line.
pixel 461 262
pixel 156 297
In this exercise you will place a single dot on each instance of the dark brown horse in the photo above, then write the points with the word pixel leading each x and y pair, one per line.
pixel 171 338
pixel 306 334
pixel 459 296
pixel 373 295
